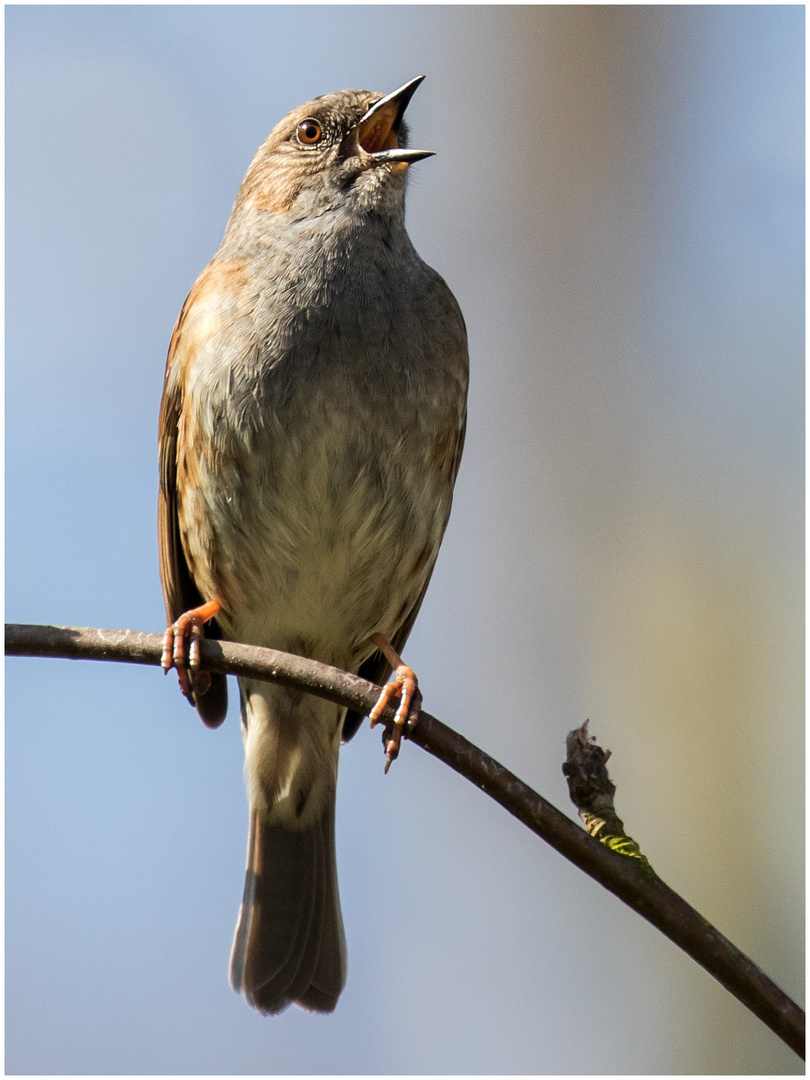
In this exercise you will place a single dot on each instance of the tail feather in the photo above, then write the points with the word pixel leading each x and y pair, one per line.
pixel 329 977
pixel 289 945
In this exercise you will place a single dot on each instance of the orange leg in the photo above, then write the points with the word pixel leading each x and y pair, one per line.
pixel 181 649
pixel 404 685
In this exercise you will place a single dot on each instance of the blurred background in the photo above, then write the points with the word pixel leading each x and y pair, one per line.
pixel 617 203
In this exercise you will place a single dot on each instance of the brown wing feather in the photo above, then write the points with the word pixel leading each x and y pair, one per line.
pixel 179 591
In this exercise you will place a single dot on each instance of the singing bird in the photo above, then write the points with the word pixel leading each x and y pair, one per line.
pixel 311 428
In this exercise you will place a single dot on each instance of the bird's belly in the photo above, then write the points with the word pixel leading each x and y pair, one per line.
pixel 315 543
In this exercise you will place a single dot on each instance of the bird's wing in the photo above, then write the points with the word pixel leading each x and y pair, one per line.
pixel 180 593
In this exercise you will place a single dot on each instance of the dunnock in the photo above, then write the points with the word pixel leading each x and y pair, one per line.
pixel 311 428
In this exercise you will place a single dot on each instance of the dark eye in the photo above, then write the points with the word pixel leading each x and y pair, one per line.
pixel 309 132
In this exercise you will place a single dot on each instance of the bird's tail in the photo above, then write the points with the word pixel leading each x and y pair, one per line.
pixel 289 944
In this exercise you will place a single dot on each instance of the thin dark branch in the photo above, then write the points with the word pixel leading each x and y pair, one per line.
pixel 634 883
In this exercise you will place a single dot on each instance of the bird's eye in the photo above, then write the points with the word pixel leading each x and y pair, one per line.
pixel 309 132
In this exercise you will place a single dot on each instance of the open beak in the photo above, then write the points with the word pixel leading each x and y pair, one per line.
pixel 376 137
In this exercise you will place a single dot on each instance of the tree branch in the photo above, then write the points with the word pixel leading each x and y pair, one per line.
pixel 631 879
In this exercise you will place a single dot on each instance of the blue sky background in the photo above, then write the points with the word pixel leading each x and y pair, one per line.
pixel 617 202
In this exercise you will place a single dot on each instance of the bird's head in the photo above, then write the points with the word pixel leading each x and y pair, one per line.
pixel 341 150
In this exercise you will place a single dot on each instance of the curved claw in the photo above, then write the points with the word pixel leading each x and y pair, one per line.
pixel 181 649
pixel 405 686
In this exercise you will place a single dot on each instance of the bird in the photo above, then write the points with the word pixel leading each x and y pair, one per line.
pixel 310 432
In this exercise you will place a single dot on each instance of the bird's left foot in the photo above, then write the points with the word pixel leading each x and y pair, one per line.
pixel 404 686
